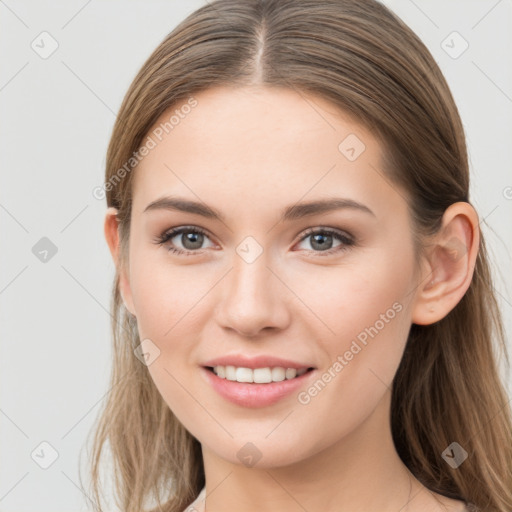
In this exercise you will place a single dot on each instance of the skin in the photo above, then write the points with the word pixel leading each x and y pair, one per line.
pixel 248 153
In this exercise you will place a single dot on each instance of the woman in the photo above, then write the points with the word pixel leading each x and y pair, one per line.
pixel 303 313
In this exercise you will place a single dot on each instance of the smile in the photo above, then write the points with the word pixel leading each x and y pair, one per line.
pixel 239 385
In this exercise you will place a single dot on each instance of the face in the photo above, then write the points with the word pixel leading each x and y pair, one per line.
pixel 269 282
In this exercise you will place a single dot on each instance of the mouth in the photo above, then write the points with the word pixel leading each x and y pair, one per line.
pixel 257 387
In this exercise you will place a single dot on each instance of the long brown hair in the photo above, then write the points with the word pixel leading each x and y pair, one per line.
pixel 364 59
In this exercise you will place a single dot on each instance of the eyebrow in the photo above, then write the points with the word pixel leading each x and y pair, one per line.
pixel 292 212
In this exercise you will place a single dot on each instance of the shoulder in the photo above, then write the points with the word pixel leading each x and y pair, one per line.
pixel 445 504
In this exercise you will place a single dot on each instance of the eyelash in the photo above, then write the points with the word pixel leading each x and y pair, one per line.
pixel 168 235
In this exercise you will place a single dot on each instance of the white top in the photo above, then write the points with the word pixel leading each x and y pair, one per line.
pixel 198 504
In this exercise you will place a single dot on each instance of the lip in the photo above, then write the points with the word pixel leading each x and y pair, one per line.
pixel 262 361
pixel 252 395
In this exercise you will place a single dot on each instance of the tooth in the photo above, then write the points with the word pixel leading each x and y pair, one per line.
pixel 278 374
pixel 230 373
pixel 258 375
pixel 244 375
pixel 290 373
pixel 262 375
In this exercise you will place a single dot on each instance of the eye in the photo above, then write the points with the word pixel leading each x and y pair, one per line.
pixel 322 239
pixel 191 239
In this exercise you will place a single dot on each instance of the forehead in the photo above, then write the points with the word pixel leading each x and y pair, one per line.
pixel 256 144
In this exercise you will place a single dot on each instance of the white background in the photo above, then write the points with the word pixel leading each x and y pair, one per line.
pixel 56 118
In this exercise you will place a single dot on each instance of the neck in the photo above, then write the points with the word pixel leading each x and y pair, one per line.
pixel 361 472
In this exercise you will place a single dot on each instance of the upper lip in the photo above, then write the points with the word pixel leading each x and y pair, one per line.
pixel 262 361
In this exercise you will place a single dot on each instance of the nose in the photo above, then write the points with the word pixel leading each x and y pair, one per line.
pixel 253 298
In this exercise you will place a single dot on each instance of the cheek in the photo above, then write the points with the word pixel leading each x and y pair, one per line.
pixel 371 329
pixel 166 296
pixel 172 309
pixel 167 300
pixel 355 300
pixel 365 320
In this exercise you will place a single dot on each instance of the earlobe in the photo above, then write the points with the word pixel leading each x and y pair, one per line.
pixel 113 241
pixel 450 263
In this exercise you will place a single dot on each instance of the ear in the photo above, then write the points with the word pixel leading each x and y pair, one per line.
pixel 111 229
pixel 449 264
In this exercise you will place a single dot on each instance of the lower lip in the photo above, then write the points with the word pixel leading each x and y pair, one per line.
pixel 248 394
